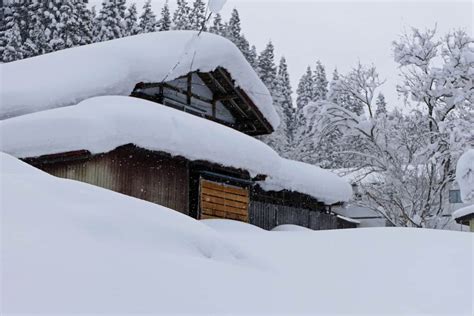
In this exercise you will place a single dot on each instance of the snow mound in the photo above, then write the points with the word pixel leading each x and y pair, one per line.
pixel 102 124
pixel 227 225
pixel 57 209
pixel 297 176
pixel 465 176
pixel 70 248
pixel 114 67
pixel 291 228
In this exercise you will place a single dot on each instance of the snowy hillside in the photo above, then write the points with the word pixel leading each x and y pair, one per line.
pixel 73 248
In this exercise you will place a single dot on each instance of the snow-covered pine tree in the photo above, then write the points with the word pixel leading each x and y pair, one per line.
pixel 217 25
pixel 320 83
pixel 281 139
pixel 34 44
pixel 305 90
pixel 333 92
pixel 111 20
pixel 253 57
pixel 147 19
pixel 233 29
pixel 181 20
pixel 86 23
pixel 164 24
pixel 13 43
pixel 266 67
pixel 197 16
pixel 131 20
pixel 244 47
pixel 96 24
pixel 69 32
pixel 381 105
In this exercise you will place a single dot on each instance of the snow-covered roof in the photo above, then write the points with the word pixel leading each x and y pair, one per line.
pixel 102 124
pixel 462 212
pixel 308 179
pixel 114 67
pixel 465 175
pixel 348 219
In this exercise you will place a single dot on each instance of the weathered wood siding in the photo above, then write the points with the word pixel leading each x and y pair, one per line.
pixel 268 215
pixel 132 171
pixel 219 200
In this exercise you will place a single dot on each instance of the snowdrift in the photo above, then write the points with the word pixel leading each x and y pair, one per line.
pixel 114 68
pixel 102 124
pixel 68 247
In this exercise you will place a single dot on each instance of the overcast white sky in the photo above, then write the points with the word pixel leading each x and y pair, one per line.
pixel 340 33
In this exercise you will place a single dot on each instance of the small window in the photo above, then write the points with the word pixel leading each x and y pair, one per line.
pixel 455 196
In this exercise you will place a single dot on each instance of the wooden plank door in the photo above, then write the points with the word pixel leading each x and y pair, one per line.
pixel 220 200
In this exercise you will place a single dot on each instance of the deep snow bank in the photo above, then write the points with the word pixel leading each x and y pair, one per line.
pixel 69 247
pixel 114 67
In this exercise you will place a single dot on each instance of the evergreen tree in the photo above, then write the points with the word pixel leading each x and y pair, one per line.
pixel 69 32
pixel 305 93
pixel 86 23
pixel 244 47
pixel 266 67
pixel 332 93
pixel 13 48
pixel 281 139
pixel 197 16
pixel 381 105
pixel 233 28
pixel 52 25
pixel 165 20
pixel 35 42
pixel 252 58
pixel 181 20
pixel 147 22
pixel 131 20
pixel 320 83
pixel 217 25
pixel 111 20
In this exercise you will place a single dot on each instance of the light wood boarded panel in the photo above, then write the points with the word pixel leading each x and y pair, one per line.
pixel 224 201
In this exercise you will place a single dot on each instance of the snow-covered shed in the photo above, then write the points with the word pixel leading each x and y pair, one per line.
pixel 167 155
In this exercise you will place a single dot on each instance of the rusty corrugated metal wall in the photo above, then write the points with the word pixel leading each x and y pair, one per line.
pixel 142 174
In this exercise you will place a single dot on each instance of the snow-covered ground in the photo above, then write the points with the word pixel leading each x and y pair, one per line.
pixel 68 247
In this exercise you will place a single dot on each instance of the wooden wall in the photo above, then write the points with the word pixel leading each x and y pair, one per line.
pixel 132 171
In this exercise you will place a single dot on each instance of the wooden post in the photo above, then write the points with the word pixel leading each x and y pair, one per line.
pixel 190 91
pixel 214 108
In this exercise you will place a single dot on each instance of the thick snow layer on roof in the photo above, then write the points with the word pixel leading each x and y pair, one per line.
pixel 465 176
pixel 114 68
pixel 102 124
pixel 348 219
pixel 72 248
pixel 308 179
pixel 468 210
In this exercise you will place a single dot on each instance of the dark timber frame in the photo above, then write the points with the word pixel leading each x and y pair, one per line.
pixel 249 119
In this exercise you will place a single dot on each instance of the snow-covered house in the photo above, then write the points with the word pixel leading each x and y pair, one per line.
pixel 465 178
pixel 178 130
